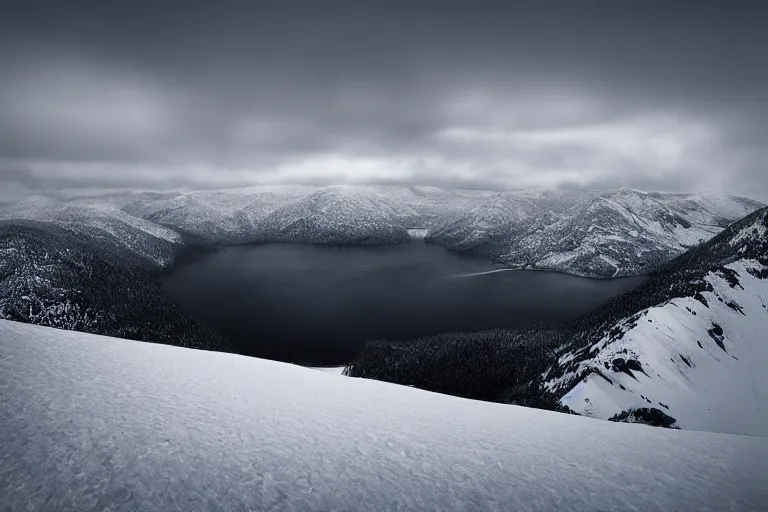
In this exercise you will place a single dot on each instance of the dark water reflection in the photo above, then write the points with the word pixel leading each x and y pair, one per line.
pixel 305 303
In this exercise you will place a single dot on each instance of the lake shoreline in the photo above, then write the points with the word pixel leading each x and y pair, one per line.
pixel 304 303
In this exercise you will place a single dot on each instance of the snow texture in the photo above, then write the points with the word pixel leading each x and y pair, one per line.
pixel 699 354
pixel 94 423
pixel 704 381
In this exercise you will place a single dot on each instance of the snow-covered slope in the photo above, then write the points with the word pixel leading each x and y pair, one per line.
pixel 426 207
pixel 335 215
pixel 699 353
pixel 154 244
pixel 689 346
pixel 704 380
pixel 92 423
pixel 82 279
pixel 100 218
pixel 505 216
pixel 185 213
pixel 629 232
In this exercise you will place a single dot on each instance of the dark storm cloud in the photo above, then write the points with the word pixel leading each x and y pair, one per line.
pixel 661 95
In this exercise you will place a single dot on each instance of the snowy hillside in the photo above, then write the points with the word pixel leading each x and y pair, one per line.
pixel 100 218
pixel 92 423
pixel 507 216
pixel 86 281
pixel 630 232
pixel 335 215
pixel 186 214
pixel 706 380
pixel 687 348
pixel 699 354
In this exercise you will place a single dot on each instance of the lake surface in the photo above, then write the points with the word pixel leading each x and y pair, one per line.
pixel 319 305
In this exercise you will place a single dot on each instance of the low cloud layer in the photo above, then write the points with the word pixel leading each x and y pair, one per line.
pixel 654 95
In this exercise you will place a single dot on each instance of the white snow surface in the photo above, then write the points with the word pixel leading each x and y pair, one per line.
pixel 95 423
pixel 716 389
pixel 330 370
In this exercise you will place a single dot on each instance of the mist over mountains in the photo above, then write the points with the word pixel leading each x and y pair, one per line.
pixel 601 234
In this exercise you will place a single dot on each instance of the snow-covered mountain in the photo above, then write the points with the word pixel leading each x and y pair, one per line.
pixel 335 215
pixel 506 216
pixel 695 348
pixel 86 279
pixel 133 236
pixel 184 213
pixel 145 243
pixel 612 234
pixel 687 348
pixel 95 423
pixel 152 243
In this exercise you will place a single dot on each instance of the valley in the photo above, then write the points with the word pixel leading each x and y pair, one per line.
pixel 411 285
pixel 439 362
pixel 504 256
pixel 686 345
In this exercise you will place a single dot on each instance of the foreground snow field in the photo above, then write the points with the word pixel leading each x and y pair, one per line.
pixel 96 423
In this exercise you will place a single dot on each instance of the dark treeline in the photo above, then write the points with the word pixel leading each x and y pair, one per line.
pixel 497 365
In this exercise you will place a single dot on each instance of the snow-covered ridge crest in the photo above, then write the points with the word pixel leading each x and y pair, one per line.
pixel 702 364
pixel 699 355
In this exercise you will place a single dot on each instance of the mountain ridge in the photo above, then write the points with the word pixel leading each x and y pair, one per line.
pixel 607 234
pixel 702 328
pixel 53 276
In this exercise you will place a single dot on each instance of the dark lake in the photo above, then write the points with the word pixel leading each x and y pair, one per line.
pixel 319 305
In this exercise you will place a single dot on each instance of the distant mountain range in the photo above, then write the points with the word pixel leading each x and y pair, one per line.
pixel 611 234
pixel 607 234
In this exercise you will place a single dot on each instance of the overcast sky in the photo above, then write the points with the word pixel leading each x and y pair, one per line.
pixel 669 96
